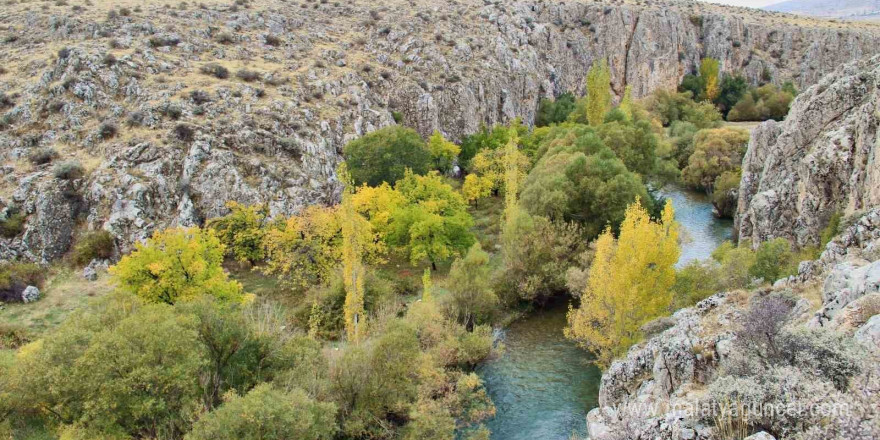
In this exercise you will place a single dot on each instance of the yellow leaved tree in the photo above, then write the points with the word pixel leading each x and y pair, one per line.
pixel 353 270
pixel 178 264
pixel 491 168
pixel 443 152
pixel 630 283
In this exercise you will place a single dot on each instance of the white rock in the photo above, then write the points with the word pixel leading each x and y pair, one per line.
pixel 30 294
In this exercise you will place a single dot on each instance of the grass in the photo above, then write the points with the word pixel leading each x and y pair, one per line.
pixel 65 292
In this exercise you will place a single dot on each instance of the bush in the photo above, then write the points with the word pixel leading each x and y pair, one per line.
pixel 12 224
pixel 200 97
pixel 247 75
pixel 107 130
pixel 42 156
pixel 773 260
pixel 763 103
pixel 267 413
pixel 14 277
pixel 272 40
pixel 225 38
pixel 136 119
pixel 68 170
pixel 695 282
pixel 242 231
pixel 725 193
pixel 157 41
pixel 172 111
pixel 184 132
pixel 762 323
pixel 472 300
pixel 13 336
pixel 215 70
pixel 93 245
pixel 384 155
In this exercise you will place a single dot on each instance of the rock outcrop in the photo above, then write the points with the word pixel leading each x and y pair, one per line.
pixel 800 358
pixel 822 160
pixel 174 111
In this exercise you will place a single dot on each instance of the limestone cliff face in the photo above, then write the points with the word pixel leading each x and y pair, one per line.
pixel 322 74
pixel 822 159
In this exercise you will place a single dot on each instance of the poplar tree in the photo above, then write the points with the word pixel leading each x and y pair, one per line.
pixel 709 71
pixel 353 271
pixel 630 283
pixel 598 93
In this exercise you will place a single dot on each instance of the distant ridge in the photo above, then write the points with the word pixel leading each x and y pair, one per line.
pixel 843 9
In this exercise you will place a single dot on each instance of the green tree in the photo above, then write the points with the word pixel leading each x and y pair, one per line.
pixel 716 151
pixel 120 368
pixel 175 265
pixel 635 143
pixel 772 260
pixel 598 92
pixel 592 190
pixel 733 87
pixel 266 413
pixel 669 107
pixel 555 111
pixel 242 231
pixel 471 296
pixel 433 223
pixel 384 155
pixel 442 151
pixel 693 84
pixel 725 193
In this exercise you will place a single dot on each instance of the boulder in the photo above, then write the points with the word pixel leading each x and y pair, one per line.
pixel 30 294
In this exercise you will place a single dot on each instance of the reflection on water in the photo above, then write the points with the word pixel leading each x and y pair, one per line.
pixel 543 385
pixel 702 232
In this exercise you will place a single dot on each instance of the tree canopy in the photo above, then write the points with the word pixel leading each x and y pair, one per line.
pixel 385 154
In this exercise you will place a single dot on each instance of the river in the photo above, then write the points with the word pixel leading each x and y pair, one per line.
pixel 543 386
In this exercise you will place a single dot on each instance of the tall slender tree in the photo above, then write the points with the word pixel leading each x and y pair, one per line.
pixel 352 260
pixel 598 92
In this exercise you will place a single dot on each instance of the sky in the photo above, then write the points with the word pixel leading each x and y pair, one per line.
pixel 751 3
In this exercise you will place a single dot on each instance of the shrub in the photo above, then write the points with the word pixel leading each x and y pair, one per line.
pixel 247 75
pixel 109 59
pixel 68 170
pixel 42 156
pixel 215 70
pixel 822 352
pixel 830 230
pixel 184 132
pixel 384 155
pixel 172 111
pixel 716 151
pixel 12 224
pixel 763 103
pixel 694 282
pixel 272 40
pixel 13 336
pixel 136 118
pixel 725 193
pixel 107 130
pixel 269 414
pixel 6 101
pixel 225 38
pixel 200 97
pixel 93 245
pixel 762 322
pixel 14 277
pixel 156 41
pixel 177 265
pixel 773 260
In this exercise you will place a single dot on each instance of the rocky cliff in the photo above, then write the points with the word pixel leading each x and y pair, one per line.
pixel 800 359
pixel 822 160
pixel 157 115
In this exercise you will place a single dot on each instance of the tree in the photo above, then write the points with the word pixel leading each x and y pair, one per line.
pixel 242 231
pixel 634 142
pixel 491 167
pixel 709 72
pixel 120 369
pixel 630 283
pixel 592 190
pixel 554 111
pixel 266 413
pixel 535 269
pixel 670 107
pixel 433 223
pixel 726 191
pixel 733 87
pixel 178 264
pixel 771 260
pixel 427 286
pixel 353 271
pixel 472 299
pixel 598 92
pixel 476 187
pixel 488 139
pixel 626 103
pixel 513 176
pixel 442 151
pixel 384 155
pixel 716 151
pixel 693 84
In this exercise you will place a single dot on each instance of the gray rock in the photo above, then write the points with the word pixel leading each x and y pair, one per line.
pixel 30 294
pixel 798 173
pixel 869 334
pixel 760 436
pixel 89 273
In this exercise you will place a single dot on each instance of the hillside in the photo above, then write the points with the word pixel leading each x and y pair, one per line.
pixel 845 9
pixel 132 117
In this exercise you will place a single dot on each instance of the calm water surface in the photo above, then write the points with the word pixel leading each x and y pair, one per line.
pixel 543 386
